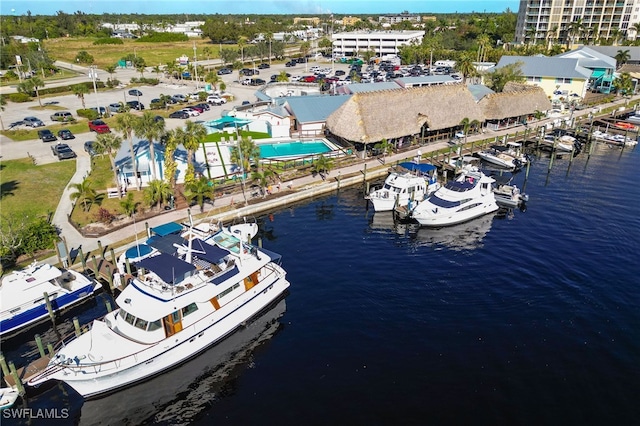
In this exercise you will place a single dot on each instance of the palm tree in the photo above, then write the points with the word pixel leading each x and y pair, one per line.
pixel 214 79
pixel 194 133
pixel 483 42
pixel 157 192
pixel 242 155
pixel 147 127
pixel 37 82
pixel 141 69
pixel 466 68
pixel 262 179
pixel 322 165
pixel 622 57
pixel 385 147
pixel 466 124
pixel 206 51
pixel 282 77
pixel 80 90
pixel 129 205
pixel 109 144
pixel 636 28
pixel 174 138
pixel 125 124
pixel 3 102
pixel 199 190
pixel 84 193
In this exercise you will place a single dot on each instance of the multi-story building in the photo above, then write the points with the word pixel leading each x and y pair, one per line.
pixel 399 17
pixel 380 42
pixel 350 20
pixel 571 22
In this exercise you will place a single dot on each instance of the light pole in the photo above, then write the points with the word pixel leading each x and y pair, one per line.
pixel 195 63
pixel 269 50
pixel 93 74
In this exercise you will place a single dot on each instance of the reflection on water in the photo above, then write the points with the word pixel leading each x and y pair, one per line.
pixel 179 396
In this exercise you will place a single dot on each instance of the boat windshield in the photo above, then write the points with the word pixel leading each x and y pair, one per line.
pixel 391 188
pixel 457 186
pixel 443 203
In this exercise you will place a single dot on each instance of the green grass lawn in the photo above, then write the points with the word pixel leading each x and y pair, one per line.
pixel 30 190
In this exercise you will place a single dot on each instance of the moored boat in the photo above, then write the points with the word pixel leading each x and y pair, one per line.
pixel 507 193
pixel 24 294
pixel 468 196
pixel 8 397
pixel 408 182
pixel 173 309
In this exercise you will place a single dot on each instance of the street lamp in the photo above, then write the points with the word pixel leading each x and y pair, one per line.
pixel 93 74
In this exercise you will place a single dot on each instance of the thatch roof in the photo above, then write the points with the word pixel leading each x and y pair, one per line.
pixel 515 100
pixel 373 116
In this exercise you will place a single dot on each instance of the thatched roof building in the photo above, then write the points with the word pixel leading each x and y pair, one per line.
pixel 516 100
pixel 373 116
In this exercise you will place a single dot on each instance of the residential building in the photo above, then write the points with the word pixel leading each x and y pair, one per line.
pixel 571 22
pixel 315 21
pixel 555 75
pixel 380 42
pixel 396 18
pixel 601 65
pixel 350 20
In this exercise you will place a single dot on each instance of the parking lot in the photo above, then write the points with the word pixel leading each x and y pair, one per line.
pixel 15 112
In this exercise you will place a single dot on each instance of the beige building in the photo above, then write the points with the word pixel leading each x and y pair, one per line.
pixel 310 21
pixel 557 21
pixel 350 20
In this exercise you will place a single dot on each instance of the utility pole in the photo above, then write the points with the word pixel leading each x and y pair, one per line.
pixel 93 73
pixel 195 63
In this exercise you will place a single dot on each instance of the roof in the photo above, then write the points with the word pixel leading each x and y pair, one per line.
pixel 308 109
pixel 479 91
pixel 612 51
pixel 425 79
pixel 369 87
pixel 542 66
pixel 590 58
pixel 166 229
pixel 514 101
pixel 373 116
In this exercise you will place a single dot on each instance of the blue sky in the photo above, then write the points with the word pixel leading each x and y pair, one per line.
pixel 50 7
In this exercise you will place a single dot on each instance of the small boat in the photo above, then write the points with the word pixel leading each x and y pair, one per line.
pixel 507 193
pixel 468 196
pixel 8 397
pixel 174 308
pixel 22 295
pixel 409 181
pixel 499 158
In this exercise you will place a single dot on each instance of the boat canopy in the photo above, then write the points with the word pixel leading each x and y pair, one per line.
pixel 208 252
pixel 170 269
pixel 454 185
pixel 443 203
pixel 138 250
pixel 166 229
pixel 503 179
pixel 166 244
pixel 422 168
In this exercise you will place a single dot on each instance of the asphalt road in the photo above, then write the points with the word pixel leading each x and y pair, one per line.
pixel 41 151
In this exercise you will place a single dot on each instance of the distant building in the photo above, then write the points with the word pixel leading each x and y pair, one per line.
pixel 380 42
pixel 399 17
pixel 310 21
pixel 350 20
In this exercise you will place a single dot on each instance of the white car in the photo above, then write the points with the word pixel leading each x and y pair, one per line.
pixel 215 99
pixel 191 112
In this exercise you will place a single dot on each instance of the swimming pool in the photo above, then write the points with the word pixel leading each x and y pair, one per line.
pixel 292 149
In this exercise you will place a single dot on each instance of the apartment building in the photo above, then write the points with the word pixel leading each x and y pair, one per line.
pixel 573 22
pixel 380 42
pixel 399 17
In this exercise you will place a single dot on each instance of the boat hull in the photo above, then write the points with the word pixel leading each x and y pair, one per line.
pixel 91 383
pixel 454 218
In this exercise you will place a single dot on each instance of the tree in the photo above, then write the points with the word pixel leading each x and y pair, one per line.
pixel 125 124
pixel 80 90
pixel 213 78
pixel 199 190
pixel 498 78
pixel 109 144
pixel 174 138
pixel 129 205
pixel 158 192
pixel 305 47
pixel 623 85
pixel 322 166
pixel 194 133
pixel 3 102
pixel 466 68
pixel 385 147
pixel 636 27
pixel 282 77
pixel 147 127
pixel 31 85
pixel 84 193
pixel 262 178
pixel 325 45
pixel 622 57
pixel 141 69
pixel 111 69
pixel 241 154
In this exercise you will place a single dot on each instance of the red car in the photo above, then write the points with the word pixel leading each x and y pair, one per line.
pixel 99 126
pixel 308 79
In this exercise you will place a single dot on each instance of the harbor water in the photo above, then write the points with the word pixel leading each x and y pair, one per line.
pixel 521 318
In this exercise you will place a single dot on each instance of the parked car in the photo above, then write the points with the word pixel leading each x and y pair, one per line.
pixel 257 82
pixel 46 135
pixel 99 126
pixel 62 116
pixel 63 151
pixel 90 148
pixel 340 72
pixel 102 111
pixel 204 106
pixel 197 108
pixel 65 134
pixel 136 105
pixel 179 98
pixel 33 122
pixel 308 78
pixel 291 63
pixel 223 71
pixel 116 107
pixel 192 112
pixel 215 99
pixel 179 114
pixel 158 118
pixel 134 92
pixel 264 65
pixel 156 103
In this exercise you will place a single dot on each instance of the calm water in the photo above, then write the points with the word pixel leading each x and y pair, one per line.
pixel 520 318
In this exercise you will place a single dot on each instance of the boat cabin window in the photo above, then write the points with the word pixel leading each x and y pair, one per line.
pixel 141 324
pixel 153 326
pixel 227 291
pixel 189 309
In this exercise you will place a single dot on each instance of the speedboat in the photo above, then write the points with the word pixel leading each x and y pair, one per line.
pixel 408 182
pixel 8 397
pixel 174 308
pixel 24 294
pixel 507 193
pixel 499 158
pixel 468 196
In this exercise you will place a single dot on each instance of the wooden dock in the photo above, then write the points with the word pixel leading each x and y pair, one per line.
pixel 25 373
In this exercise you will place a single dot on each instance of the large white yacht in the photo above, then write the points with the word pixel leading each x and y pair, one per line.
pixel 174 308
pixel 468 196
pixel 408 182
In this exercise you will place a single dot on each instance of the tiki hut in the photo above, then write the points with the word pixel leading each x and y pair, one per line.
pixel 515 104
pixel 369 117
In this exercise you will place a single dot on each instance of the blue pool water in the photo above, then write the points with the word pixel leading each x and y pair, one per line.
pixel 292 149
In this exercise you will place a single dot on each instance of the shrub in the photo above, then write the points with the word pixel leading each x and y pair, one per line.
pixel 162 37
pixel 108 40
pixel 87 113
pixel 144 80
pixel 105 216
pixel 19 97
pixel 112 82
pixel 84 57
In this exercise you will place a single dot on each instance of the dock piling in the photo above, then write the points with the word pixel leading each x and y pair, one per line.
pixel 3 364
pixel 47 302
pixel 16 378
pixel 39 345
pixel 107 304
pixel 76 326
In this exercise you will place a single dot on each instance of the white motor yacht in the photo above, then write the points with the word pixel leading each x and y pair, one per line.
pixel 173 309
pixel 469 196
pixel 408 182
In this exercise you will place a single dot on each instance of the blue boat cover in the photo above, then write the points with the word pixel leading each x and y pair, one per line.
pixel 422 168
pixel 454 185
pixel 206 251
pixel 138 251
pixel 166 229
pixel 166 244
pixel 170 269
pixel 443 203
